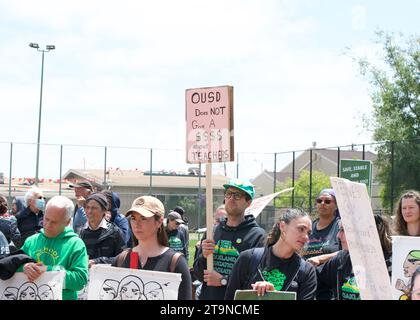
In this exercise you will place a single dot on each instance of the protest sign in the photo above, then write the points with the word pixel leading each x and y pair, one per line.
pixel 269 295
pixel 363 240
pixel 209 119
pixel 48 286
pixel 405 259
pixel 258 205
pixel 112 283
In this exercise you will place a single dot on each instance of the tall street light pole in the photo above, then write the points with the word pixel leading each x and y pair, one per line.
pixel 47 49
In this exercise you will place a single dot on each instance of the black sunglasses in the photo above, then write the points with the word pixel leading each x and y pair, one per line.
pixel 326 201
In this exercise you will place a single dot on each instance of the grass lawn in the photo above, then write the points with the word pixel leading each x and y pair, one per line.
pixel 191 248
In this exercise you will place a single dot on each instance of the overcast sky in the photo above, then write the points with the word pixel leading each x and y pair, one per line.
pixel 120 70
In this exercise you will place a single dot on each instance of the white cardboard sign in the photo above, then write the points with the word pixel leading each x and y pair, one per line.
pixel 362 237
pixel 112 283
pixel 405 259
pixel 258 205
pixel 209 117
pixel 48 286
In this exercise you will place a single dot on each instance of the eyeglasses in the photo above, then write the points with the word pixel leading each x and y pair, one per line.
pixel 326 201
pixel 235 195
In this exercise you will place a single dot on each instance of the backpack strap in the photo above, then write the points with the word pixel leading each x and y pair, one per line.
pixel 174 261
pixel 300 273
pixel 254 263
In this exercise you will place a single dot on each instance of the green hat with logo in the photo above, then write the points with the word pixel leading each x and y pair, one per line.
pixel 246 187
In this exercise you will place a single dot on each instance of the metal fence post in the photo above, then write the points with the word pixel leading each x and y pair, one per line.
pixel 151 172
pixel 61 169
pixel 293 180
pixel 338 161
pixel 310 181
pixel 104 182
pixel 10 174
pixel 363 152
pixel 392 175
pixel 275 171
pixel 237 165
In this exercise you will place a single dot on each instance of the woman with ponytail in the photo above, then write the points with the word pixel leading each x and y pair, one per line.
pixel 277 266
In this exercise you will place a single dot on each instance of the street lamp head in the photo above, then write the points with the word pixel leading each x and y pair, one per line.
pixel 50 47
pixel 34 45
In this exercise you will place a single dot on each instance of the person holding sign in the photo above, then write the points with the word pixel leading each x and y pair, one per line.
pixel 232 236
pixel 57 247
pixel 150 244
pixel 278 266
pixel 337 273
pixel 407 214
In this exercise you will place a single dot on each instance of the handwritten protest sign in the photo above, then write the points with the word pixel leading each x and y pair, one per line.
pixel 362 237
pixel 405 259
pixel 48 286
pixel 111 283
pixel 258 205
pixel 209 116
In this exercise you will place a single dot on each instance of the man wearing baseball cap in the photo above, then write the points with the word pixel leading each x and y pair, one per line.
pixel 232 236
pixel 82 191
pixel 176 237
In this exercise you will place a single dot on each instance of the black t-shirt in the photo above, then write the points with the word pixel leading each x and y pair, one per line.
pixel 292 274
pixel 277 270
pixel 322 241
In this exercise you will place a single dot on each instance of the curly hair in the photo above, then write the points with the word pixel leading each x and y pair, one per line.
pixel 400 225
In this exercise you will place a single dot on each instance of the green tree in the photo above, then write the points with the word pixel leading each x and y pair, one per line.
pixel 394 92
pixel 319 181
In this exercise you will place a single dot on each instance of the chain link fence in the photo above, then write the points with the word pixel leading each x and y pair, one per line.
pixel 132 172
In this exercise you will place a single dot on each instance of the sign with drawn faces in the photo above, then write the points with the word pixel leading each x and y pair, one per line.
pixel 111 283
pixel 48 286
pixel 405 260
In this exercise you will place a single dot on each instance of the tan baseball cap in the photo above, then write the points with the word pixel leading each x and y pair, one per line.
pixel 147 206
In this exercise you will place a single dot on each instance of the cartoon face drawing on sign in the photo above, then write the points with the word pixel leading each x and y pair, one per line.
pixel 412 261
pixel 10 293
pixel 153 291
pixel 27 291
pixel 45 292
pixel 131 288
pixel 109 290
